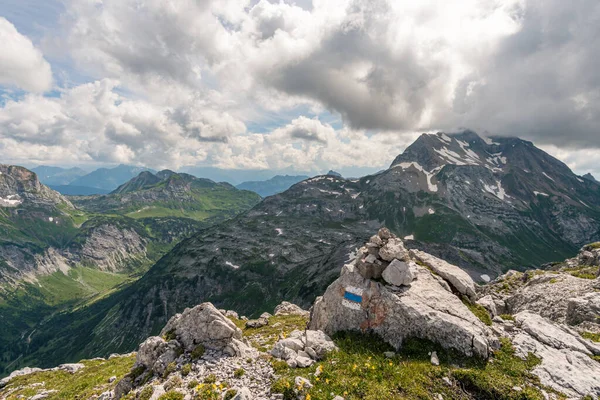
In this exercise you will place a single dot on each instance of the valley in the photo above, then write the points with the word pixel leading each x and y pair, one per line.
pixel 484 205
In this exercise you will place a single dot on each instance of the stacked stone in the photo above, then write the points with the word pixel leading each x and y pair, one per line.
pixel 385 257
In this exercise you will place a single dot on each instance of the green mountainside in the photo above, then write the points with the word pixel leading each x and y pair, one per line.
pixel 59 254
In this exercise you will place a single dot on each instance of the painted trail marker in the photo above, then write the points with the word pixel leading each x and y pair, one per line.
pixel 352 298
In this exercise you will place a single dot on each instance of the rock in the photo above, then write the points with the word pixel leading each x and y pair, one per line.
pixel 155 354
pixel 554 335
pixel 424 310
pixel 243 394
pixel 108 395
pixel 112 379
pixel 232 314
pixel 583 309
pixel 398 273
pixel 393 249
pixel 311 353
pixel 265 315
pixel 434 359
pixel 369 266
pixel 205 325
pixel 71 368
pixel 20 372
pixel 565 365
pixel 302 382
pixel 447 381
pixel 303 362
pixel 385 234
pixel 292 363
pixel 549 295
pixel 282 352
pixel 319 342
pixel 458 278
pixel 389 354
pixel 123 387
pixel 488 303
pixel 338 398
pixel 257 323
pixel 286 308
pixel 376 240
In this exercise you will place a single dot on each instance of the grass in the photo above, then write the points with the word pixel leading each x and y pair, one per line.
pixel 478 310
pixel 269 334
pixel 85 383
pixel 594 337
pixel 507 317
pixel 359 370
pixel 583 272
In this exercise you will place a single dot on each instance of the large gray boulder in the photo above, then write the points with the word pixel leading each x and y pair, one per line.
pixel 205 325
pixel 459 279
pixel 424 310
pixel 156 354
pixel 302 348
pixel 585 308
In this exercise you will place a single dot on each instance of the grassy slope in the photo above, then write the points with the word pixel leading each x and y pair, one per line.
pixel 91 380
pixel 359 370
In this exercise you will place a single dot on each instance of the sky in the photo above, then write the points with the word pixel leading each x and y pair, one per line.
pixel 292 85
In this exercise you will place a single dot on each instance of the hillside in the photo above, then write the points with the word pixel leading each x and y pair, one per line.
pixel 269 187
pixel 407 325
pixel 55 256
pixel 57 176
pixel 170 194
pixel 486 214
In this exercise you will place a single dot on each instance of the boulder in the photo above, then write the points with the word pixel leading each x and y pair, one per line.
pixel 72 368
pixel 489 304
pixel 393 249
pixel 204 325
pixel 286 308
pixel 398 273
pixel 456 277
pixel 156 354
pixel 257 323
pixel 368 265
pixel 424 310
pixel 585 308
pixel 385 234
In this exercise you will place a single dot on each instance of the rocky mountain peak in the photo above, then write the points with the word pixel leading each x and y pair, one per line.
pixel 20 186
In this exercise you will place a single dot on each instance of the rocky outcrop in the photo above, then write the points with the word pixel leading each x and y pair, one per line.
pixel 565 358
pixel 456 277
pixel 205 325
pixel 287 308
pixel 424 308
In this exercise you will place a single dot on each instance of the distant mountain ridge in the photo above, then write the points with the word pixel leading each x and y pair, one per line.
pixel 109 178
pixel 486 205
pixel 269 187
pixel 57 176
pixel 167 193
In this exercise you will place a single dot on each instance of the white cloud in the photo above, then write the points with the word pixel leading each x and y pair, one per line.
pixel 22 65
pixel 197 77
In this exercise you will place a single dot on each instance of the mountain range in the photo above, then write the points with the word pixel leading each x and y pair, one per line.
pixel 277 184
pixel 486 205
pixel 59 253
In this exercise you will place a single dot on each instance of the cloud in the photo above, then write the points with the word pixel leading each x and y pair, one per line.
pixel 238 84
pixel 543 81
pixel 22 65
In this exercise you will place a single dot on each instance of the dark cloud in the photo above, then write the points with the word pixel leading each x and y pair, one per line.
pixel 543 82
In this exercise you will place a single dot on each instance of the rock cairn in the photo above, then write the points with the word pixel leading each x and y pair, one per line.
pixel 397 294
